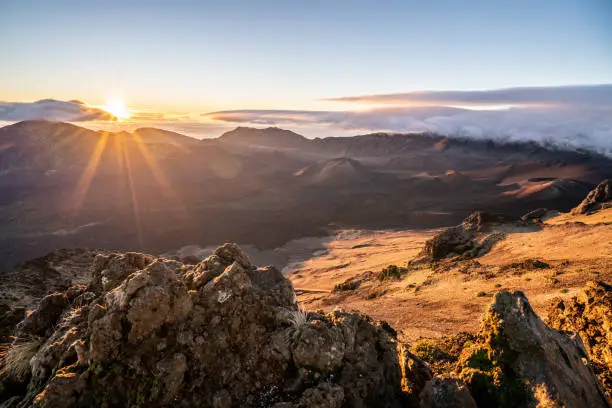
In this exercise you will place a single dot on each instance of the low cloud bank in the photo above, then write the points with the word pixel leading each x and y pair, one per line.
pixel 566 127
pixel 51 109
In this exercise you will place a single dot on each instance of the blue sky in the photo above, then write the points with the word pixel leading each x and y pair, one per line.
pixel 219 55
pixel 333 67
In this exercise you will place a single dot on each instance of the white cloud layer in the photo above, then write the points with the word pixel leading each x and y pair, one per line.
pixel 566 127
pixel 51 109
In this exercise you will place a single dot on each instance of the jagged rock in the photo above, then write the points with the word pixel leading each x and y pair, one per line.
pixel 450 241
pixel 41 320
pixel 110 270
pixel 322 396
pixel 9 318
pixel 519 361
pixel 480 221
pixel 155 333
pixel 598 198
pixel 446 393
pixel 590 316
pixel 415 373
pixel 537 215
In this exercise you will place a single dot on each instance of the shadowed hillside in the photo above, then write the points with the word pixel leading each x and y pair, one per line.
pixel 65 186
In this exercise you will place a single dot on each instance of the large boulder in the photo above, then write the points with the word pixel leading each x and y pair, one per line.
pixel 223 333
pixel 519 361
pixel 538 215
pixel 589 314
pixel 480 221
pixel 598 198
pixel 449 242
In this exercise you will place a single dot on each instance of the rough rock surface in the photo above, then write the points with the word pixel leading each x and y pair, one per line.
pixel 448 242
pixel 9 318
pixel 25 284
pixel 223 333
pixel 415 372
pixel 519 361
pixel 590 316
pixel 538 215
pixel 446 393
pixel 153 332
pixel 480 221
pixel 599 197
pixel 460 241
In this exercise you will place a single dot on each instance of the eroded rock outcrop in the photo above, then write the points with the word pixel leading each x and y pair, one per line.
pixel 597 199
pixel 590 316
pixel 156 332
pixel 519 361
pixel 474 237
pixel 480 221
pixel 449 242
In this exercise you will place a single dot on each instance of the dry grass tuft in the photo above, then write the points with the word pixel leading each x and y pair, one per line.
pixel 15 358
pixel 299 318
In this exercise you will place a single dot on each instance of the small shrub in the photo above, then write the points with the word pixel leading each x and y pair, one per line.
pixel 527 264
pixel 564 290
pixel 391 272
pixel 481 294
pixel 347 285
pixel 428 351
pixel 498 285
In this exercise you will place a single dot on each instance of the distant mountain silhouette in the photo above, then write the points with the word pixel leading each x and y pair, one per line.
pixel 268 137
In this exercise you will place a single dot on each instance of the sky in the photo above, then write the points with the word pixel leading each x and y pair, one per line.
pixel 179 62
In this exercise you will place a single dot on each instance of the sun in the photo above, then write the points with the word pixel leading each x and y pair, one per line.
pixel 117 108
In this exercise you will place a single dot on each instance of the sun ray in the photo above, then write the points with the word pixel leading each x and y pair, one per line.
pixel 127 165
pixel 158 174
pixel 80 193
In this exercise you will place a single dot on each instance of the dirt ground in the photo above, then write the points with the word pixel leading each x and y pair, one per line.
pixel 430 300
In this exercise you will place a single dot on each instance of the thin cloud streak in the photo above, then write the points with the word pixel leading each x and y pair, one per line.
pixel 574 95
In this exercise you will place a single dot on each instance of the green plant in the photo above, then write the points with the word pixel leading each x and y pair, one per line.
pixel 428 351
pixel 481 294
pixel 564 290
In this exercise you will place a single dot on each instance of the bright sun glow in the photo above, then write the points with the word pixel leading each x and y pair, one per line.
pixel 116 108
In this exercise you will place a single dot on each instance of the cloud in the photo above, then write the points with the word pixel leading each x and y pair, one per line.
pixel 567 127
pixel 51 109
pixel 575 95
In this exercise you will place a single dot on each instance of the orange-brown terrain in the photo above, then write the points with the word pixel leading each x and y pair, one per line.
pixel 433 299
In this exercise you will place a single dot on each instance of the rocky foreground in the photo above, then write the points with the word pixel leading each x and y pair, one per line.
pixel 152 332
